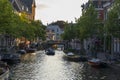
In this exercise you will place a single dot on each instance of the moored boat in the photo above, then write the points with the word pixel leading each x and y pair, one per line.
pixel 94 62
pixel 70 54
pixel 22 51
pixel 97 63
pixel 31 50
pixel 10 58
pixel 73 57
pixel 50 51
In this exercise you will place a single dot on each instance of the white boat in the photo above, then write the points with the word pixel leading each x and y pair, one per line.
pixel 70 54
pixel 74 57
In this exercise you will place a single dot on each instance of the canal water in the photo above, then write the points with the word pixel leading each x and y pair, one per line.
pixel 39 66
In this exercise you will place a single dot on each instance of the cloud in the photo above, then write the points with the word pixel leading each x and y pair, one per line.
pixel 42 6
pixel 53 10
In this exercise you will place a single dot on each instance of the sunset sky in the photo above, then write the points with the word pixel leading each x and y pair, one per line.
pixel 52 10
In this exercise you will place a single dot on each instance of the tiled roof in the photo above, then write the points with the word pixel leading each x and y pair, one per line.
pixel 22 5
pixel 28 4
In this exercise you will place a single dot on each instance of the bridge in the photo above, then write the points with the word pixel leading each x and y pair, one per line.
pixel 55 44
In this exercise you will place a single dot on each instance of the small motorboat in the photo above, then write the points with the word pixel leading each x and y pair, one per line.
pixel 31 50
pixel 70 54
pixel 22 51
pixel 50 51
pixel 10 58
pixel 97 63
pixel 94 62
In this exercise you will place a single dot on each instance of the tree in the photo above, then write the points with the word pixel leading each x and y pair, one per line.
pixel 112 24
pixel 87 23
pixel 6 16
pixel 69 32
pixel 39 29
pixel 18 26
pixel 24 17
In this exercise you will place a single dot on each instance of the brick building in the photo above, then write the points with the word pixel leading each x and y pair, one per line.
pixel 99 7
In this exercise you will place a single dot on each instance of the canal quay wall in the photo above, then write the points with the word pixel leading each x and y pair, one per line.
pixel 4 71
pixel 5 75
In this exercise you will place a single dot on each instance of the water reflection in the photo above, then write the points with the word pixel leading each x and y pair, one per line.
pixel 30 57
pixel 39 66
pixel 54 67
pixel 90 73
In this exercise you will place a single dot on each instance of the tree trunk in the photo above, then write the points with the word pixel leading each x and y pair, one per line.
pixel 82 50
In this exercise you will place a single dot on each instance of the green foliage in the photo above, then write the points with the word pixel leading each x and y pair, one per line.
pixel 66 35
pixel 86 26
pixel 23 17
pixel 70 32
pixel 18 25
pixel 39 29
pixel 112 24
pixel 88 23
pixel 6 15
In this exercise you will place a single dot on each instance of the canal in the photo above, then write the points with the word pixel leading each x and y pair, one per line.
pixel 38 66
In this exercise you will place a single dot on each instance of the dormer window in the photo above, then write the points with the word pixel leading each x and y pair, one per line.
pixel 27 9
pixel 22 7
pixel 57 30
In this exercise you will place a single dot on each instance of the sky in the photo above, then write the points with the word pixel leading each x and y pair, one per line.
pixel 52 10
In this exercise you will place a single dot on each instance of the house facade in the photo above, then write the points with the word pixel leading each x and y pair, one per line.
pixel 54 32
pixel 116 41
pixel 6 42
pixel 19 7
pixel 103 7
pixel 99 7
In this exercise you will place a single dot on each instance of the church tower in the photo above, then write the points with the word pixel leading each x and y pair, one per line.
pixel 33 10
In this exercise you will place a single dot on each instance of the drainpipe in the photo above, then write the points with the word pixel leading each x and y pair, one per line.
pixel 104 42
pixel 112 46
